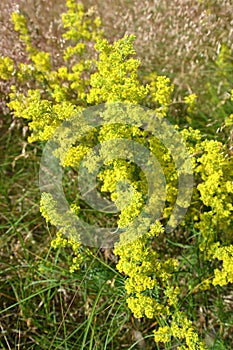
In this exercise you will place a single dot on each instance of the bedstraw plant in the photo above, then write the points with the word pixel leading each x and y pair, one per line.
pixel 95 71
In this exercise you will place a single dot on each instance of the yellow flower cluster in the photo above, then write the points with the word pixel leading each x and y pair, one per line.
pixel 44 115
pixel 81 28
pixel 216 191
pixel 67 235
pixel 20 25
pixel 225 275
pixel 59 241
pixel 6 68
pixel 190 100
pixel 214 195
pixel 160 93
pixel 116 78
pixel 181 329
pixel 147 276
pixel 74 155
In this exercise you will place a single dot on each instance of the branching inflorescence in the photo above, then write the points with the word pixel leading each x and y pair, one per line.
pixel 55 94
